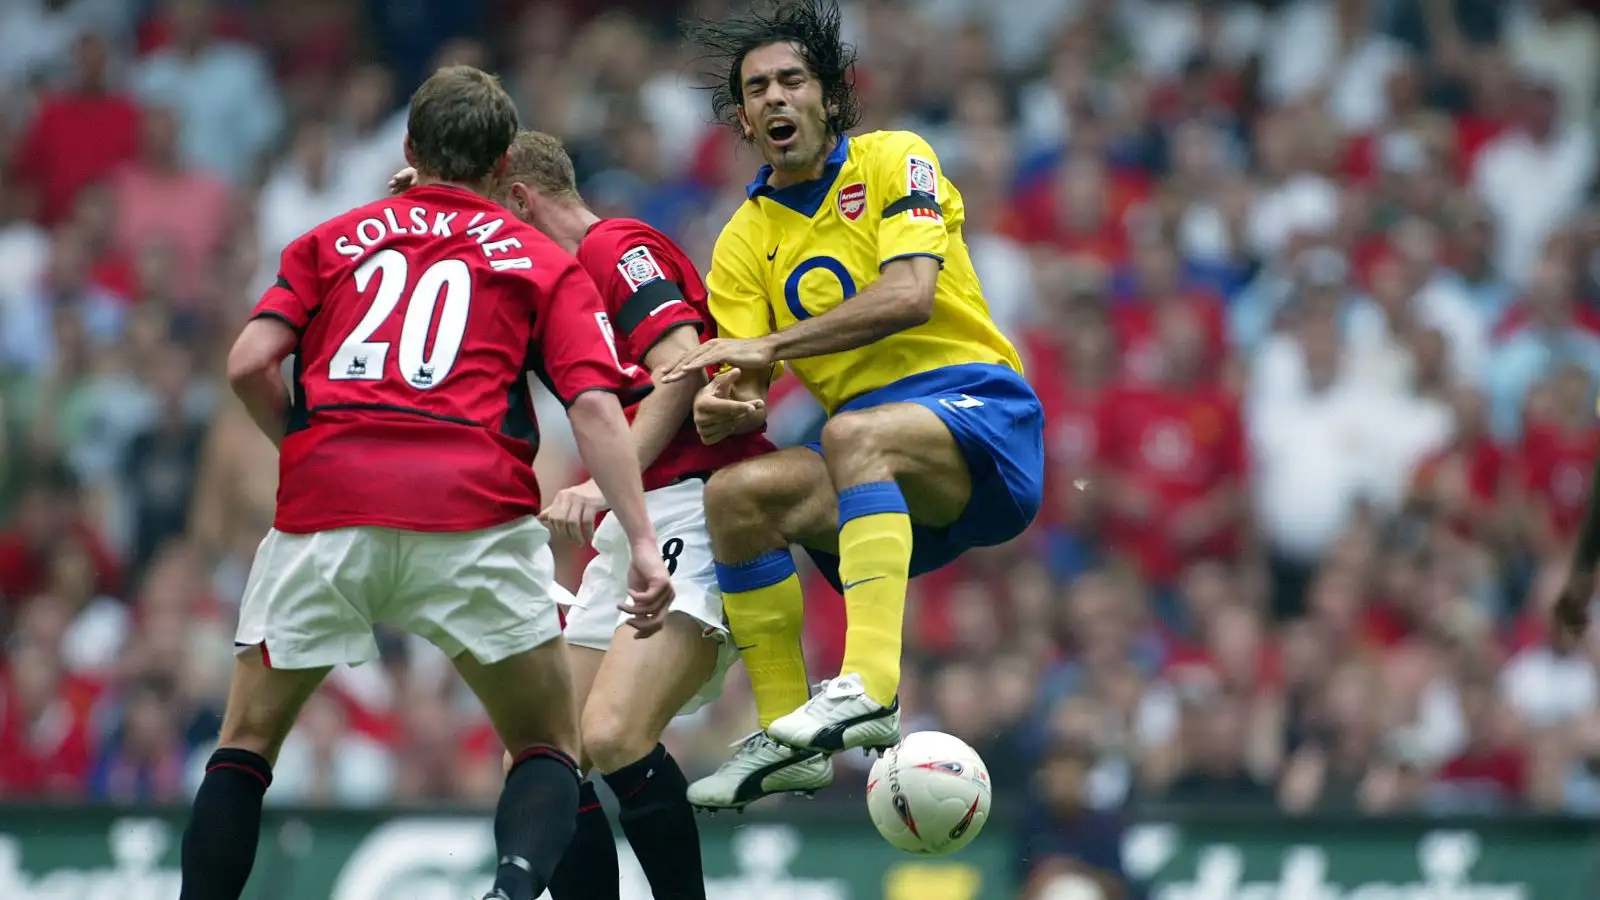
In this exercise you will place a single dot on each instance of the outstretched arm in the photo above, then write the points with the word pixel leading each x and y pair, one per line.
pixel 901 298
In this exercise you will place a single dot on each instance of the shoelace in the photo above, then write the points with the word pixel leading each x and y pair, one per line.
pixel 819 694
pixel 752 742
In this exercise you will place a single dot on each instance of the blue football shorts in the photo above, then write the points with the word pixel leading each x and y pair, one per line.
pixel 997 421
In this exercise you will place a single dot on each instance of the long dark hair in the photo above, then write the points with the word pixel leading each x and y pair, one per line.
pixel 814 26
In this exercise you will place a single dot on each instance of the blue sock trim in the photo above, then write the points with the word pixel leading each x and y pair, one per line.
pixel 870 499
pixel 765 570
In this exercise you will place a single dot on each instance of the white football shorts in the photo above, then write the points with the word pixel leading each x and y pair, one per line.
pixel 312 599
pixel 679 514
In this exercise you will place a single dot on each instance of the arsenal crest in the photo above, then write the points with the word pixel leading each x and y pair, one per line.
pixel 853 200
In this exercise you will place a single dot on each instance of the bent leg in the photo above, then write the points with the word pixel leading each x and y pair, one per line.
pixel 891 465
pixel 641 686
pixel 589 869
pixel 219 845
pixel 754 511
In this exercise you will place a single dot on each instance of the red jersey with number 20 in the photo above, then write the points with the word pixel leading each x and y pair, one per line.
pixel 650 287
pixel 420 318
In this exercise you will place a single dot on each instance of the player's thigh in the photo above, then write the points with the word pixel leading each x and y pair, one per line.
pixel 788 492
pixel 642 685
pixel 528 697
pixel 263 703
pixel 491 593
pixel 913 446
pixel 309 599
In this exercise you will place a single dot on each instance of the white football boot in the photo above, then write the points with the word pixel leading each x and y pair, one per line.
pixel 839 717
pixel 760 768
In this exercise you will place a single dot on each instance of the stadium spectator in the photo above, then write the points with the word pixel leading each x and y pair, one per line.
pixel 167 209
pixel 1529 207
pixel 78 136
pixel 221 91
pixel 1064 839
pixel 144 760
pixel 1173 457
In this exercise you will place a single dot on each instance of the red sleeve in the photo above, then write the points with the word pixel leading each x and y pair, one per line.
pixel 642 290
pixel 294 297
pixel 574 342
pixel 1235 454
pixel 25 162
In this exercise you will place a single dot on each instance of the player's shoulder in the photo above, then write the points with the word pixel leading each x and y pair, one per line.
pixel 742 233
pixel 630 248
pixel 894 144
pixel 609 239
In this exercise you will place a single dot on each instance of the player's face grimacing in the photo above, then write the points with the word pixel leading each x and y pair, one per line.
pixel 783 112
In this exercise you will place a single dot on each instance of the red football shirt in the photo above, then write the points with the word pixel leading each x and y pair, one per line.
pixel 1178 447
pixel 1135 326
pixel 420 319
pixel 649 288
pixel 1482 463
pixel 1555 467
pixel 75 140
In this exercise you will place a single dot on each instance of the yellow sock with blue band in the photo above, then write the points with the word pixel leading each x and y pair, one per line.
pixel 766 612
pixel 874 566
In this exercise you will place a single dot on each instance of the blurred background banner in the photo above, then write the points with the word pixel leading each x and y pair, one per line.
pixel 1310 290
pixel 49 854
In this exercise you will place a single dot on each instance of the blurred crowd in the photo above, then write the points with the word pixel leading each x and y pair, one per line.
pixel 1310 289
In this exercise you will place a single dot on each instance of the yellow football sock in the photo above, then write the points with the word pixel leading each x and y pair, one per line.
pixel 874 566
pixel 766 612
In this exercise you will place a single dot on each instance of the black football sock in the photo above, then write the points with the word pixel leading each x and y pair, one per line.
pixel 534 821
pixel 659 822
pixel 588 870
pixel 219 846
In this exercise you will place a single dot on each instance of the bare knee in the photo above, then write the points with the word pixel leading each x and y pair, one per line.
pixel 853 433
pixel 770 502
pixel 613 739
pixel 528 697
pixel 735 496
pixel 736 500
pixel 259 734
pixel 263 705
pixel 859 447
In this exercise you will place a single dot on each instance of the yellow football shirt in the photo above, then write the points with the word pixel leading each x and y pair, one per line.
pixel 796 252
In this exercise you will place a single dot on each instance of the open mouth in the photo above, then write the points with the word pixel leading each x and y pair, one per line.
pixel 781 131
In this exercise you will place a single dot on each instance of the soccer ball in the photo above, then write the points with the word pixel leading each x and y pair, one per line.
pixel 930 794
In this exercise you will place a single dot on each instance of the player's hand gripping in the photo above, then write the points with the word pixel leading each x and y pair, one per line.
pixel 572 513
pixel 649 590
pixel 402 180
pixel 717 413
pixel 749 354
pixel 1570 617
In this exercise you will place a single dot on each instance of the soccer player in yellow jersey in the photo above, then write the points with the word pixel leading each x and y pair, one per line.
pixel 847 266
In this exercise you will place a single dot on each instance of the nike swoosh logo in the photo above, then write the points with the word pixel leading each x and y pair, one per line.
pixel 850 584
pixel 774 254
pixel 744 648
